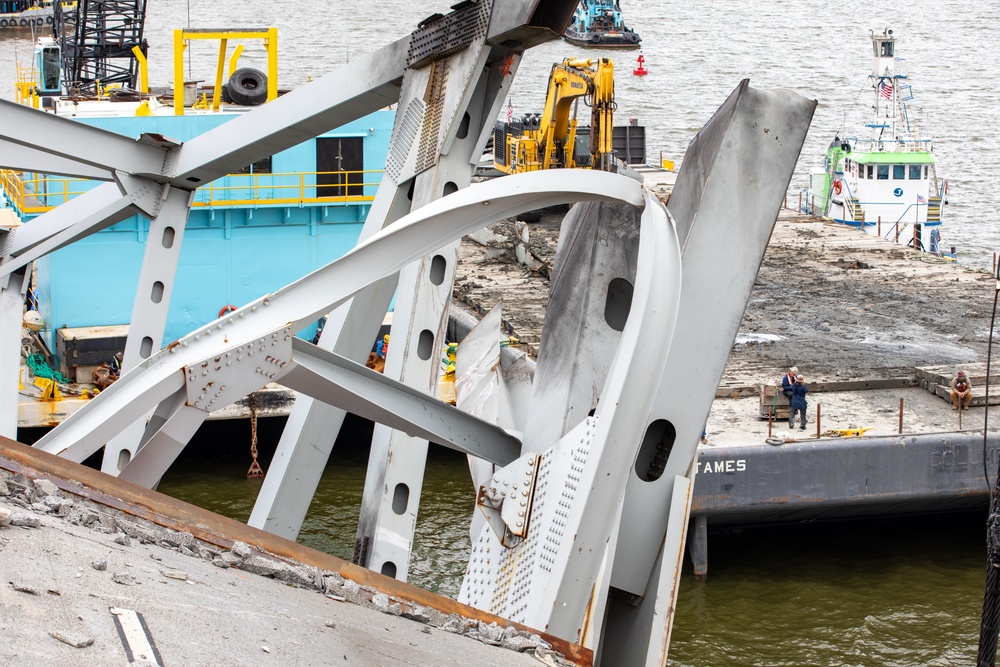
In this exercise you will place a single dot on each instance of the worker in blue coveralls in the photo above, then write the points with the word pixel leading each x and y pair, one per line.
pixel 382 347
pixel 798 401
pixel 788 381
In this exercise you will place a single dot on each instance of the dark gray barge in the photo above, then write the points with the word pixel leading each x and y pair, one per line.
pixel 838 479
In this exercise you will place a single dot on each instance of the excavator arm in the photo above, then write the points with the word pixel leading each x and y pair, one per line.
pixel 548 140
pixel 602 116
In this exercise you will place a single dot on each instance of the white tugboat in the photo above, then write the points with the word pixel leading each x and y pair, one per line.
pixel 885 180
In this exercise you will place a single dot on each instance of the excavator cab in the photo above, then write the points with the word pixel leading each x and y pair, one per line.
pixel 549 140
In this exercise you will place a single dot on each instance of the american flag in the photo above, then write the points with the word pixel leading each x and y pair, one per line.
pixel 921 199
pixel 885 89
pixel 510 110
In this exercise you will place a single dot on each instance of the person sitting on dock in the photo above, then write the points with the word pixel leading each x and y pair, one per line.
pixel 798 401
pixel 788 381
pixel 961 390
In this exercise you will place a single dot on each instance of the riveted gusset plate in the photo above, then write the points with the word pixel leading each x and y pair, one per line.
pixel 146 195
pixel 442 35
pixel 228 376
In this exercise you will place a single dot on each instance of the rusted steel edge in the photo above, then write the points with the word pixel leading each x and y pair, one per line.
pixel 213 528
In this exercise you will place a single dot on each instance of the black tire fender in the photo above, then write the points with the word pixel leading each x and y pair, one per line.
pixel 247 87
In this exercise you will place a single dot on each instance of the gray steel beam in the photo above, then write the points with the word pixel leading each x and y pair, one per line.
pixel 20 157
pixel 724 206
pixel 312 427
pixel 88 145
pixel 594 269
pixel 361 391
pixel 530 24
pixel 302 302
pixel 162 449
pixel 480 391
pixel 621 418
pixel 12 291
pixel 150 308
pixel 368 83
pixel 457 90
pixel 581 480
pixel 92 211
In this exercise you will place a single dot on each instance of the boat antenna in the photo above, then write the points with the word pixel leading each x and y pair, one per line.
pixel 989 626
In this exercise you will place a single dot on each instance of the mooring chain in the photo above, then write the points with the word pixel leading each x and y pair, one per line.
pixel 255 469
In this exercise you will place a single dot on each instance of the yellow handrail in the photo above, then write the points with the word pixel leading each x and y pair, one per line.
pixel 34 194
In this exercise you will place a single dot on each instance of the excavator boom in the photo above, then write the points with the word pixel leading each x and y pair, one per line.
pixel 548 140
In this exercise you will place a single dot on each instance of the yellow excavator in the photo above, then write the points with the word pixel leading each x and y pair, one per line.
pixel 549 140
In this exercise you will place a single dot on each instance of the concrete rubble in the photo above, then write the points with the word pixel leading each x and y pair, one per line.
pixel 213 617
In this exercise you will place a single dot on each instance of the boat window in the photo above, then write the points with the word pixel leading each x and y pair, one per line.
pixel 871 172
pixel 887 49
pixel 258 167
pixel 914 172
pixel 925 171
pixel 898 171
pixel 883 172
pixel 50 68
pixel 340 162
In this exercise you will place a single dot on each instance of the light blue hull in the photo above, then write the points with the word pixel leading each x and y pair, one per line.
pixel 235 249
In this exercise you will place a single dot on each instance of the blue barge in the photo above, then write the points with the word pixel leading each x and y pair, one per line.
pixel 248 233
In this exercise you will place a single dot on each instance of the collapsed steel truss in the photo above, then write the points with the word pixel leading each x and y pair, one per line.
pixel 585 472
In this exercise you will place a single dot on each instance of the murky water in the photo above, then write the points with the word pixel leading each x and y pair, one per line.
pixel 212 474
pixel 889 594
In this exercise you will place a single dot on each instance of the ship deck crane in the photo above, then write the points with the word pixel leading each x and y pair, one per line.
pixel 549 140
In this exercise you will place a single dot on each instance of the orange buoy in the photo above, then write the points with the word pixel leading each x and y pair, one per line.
pixel 640 70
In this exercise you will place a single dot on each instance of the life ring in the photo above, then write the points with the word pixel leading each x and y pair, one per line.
pixel 226 309
pixel 838 186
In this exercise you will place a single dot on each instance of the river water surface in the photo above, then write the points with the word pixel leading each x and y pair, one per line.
pixel 893 593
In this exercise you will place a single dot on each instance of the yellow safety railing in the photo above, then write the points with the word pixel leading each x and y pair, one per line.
pixel 24 85
pixel 290 188
pixel 182 37
pixel 35 194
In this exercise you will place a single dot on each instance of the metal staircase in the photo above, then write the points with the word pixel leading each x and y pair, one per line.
pixel 934 209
